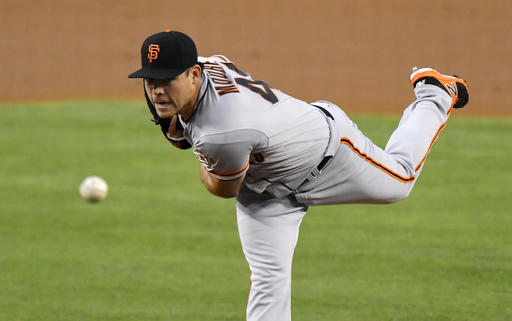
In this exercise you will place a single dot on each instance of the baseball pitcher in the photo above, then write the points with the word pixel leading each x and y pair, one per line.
pixel 279 155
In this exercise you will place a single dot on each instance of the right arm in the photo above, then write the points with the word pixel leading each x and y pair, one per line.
pixel 225 159
pixel 221 188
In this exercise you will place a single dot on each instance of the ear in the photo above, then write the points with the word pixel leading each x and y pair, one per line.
pixel 196 72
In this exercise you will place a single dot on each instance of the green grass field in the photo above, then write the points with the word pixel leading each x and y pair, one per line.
pixel 161 248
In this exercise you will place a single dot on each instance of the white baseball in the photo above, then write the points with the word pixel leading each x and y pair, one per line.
pixel 93 189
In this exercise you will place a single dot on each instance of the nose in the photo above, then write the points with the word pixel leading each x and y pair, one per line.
pixel 157 89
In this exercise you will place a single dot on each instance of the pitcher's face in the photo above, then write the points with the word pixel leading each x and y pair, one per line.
pixel 174 96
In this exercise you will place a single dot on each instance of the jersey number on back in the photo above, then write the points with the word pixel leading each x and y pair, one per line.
pixel 256 86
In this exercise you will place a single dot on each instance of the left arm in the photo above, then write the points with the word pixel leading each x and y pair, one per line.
pixel 221 188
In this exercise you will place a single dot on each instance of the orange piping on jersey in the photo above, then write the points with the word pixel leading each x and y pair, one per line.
pixel 430 146
pixel 234 173
pixel 221 57
pixel 376 164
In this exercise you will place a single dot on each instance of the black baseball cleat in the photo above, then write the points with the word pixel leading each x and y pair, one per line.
pixel 456 87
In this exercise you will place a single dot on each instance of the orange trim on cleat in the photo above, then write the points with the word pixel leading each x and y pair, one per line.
pixel 456 87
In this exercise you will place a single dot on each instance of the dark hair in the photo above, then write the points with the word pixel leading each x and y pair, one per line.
pixel 188 69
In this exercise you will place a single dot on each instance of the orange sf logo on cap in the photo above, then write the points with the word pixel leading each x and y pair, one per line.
pixel 153 52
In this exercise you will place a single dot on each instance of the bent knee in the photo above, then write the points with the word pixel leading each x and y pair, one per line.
pixel 395 196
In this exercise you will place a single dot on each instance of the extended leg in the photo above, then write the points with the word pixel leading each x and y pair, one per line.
pixel 424 119
pixel 362 172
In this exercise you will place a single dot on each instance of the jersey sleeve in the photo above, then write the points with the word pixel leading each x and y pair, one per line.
pixel 226 155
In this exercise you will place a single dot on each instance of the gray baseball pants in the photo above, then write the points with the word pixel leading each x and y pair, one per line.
pixel 359 172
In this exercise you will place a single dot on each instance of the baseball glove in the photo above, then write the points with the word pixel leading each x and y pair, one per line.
pixel 173 131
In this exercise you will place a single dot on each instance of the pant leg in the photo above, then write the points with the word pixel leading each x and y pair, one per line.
pixel 362 172
pixel 268 229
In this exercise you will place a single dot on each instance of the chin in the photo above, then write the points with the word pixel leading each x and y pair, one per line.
pixel 165 115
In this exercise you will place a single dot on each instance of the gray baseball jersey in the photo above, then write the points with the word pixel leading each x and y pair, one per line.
pixel 242 125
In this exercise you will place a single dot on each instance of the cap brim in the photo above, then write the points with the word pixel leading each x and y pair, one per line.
pixel 156 73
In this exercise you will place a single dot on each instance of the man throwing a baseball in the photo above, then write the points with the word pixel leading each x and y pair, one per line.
pixel 279 155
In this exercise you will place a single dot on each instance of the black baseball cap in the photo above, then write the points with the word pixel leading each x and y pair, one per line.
pixel 166 55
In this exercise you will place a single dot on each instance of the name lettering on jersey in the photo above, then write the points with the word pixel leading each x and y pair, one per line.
pixel 220 79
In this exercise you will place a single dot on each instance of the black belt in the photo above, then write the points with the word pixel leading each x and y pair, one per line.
pixel 326 113
pixel 326 158
pixel 323 162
